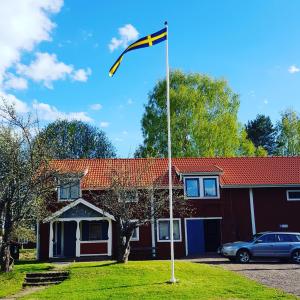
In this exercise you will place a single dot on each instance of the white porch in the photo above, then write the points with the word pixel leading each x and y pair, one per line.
pixel 80 229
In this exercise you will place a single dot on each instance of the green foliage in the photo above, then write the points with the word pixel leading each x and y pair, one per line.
pixel 76 139
pixel 288 141
pixel 203 119
pixel 262 133
pixel 148 280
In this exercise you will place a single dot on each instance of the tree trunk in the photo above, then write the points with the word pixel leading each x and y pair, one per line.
pixel 123 245
pixel 6 259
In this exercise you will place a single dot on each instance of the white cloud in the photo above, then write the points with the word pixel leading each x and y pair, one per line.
pixel 127 34
pixel 104 124
pixel 266 101
pixel 15 83
pixel 82 75
pixel 129 102
pixel 124 132
pixel 20 106
pixel 118 139
pixel 47 112
pixel 24 24
pixel 96 106
pixel 46 68
pixel 293 69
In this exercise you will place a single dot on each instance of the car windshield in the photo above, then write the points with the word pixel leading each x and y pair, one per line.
pixel 255 237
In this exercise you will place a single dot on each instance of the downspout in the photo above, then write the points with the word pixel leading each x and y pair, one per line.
pixel 252 211
pixel 153 227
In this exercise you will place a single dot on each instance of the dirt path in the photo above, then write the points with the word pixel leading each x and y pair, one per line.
pixel 24 292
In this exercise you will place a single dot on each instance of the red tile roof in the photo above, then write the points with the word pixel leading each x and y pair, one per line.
pixel 240 171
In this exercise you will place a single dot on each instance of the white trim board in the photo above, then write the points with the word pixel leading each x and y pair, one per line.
pixel 75 203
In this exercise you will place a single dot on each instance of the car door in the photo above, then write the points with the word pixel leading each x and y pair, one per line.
pixel 284 245
pixel 264 245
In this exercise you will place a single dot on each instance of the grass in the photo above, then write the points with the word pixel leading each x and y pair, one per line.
pixel 27 254
pixel 147 280
pixel 11 283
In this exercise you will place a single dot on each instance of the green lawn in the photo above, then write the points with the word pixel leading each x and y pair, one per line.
pixel 11 283
pixel 147 280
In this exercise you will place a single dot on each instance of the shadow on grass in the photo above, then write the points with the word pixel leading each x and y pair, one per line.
pixel 74 266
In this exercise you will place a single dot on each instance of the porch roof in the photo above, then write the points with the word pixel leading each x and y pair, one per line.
pixel 72 205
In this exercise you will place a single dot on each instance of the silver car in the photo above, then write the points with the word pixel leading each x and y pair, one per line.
pixel 281 245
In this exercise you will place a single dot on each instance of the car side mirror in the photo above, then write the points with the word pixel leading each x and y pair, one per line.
pixel 258 241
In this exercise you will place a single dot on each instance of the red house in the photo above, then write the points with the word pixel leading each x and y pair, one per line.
pixel 233 198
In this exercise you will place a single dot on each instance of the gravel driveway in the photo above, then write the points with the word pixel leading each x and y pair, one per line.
pixel 274 274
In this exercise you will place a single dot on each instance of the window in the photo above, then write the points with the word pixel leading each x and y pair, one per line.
pixel 128 196
pixel 163 231
pixel 287 238
pixel 210 187
pixel 293 195
pixel 268 238
pixel 201 187
pixel 136 234
pixel 94 231
pixel 69 189
pixel 192 187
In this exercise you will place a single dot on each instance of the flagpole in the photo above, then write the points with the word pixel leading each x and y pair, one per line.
pixel 172 280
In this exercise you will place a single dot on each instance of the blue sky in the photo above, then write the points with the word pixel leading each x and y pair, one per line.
pixel 55 57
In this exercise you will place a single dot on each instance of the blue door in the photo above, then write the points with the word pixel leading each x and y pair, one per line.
pixel 195 237
pixel 70 239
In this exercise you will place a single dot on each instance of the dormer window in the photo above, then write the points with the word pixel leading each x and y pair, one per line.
pixel 201 187
pixel 69 189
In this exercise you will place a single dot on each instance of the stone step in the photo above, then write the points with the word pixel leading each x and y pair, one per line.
pixel 45 279
pixel 26 284
pixel 47 274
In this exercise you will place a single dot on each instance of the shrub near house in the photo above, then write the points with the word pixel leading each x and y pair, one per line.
pixel 230 197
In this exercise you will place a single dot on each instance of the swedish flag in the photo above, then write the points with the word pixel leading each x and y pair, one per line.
pixel 146 41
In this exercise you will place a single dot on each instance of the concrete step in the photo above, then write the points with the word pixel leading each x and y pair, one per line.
pixel 45 279
pixel 47 274
pixel 26 284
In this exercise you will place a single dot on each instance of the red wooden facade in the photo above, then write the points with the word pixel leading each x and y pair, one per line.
pixel 256 204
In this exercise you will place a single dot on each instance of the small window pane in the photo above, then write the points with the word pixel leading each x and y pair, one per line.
pixel 268 238
pixel 135 234
pixel 287 238
pixel 164 230
pixel 74 190
pixel 210 187
pixel 94 231
pixel 192 187
pixel 294 195
pixel 64 191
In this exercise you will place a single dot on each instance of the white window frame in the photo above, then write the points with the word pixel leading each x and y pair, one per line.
pixel 168 241
pixel 136 198
pixel 137 232
pixel 287 195
pixel 70 199
pixel 201 187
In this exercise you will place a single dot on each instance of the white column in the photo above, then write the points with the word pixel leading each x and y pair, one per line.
pixel 78 239
pixel 109 242
pixel 62 238
pixel 51 240
pixel 37 240
pixel 152 227
pixel 252 211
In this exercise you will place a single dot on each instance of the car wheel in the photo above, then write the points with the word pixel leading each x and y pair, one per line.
pixel 296 257
pixel 243 256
